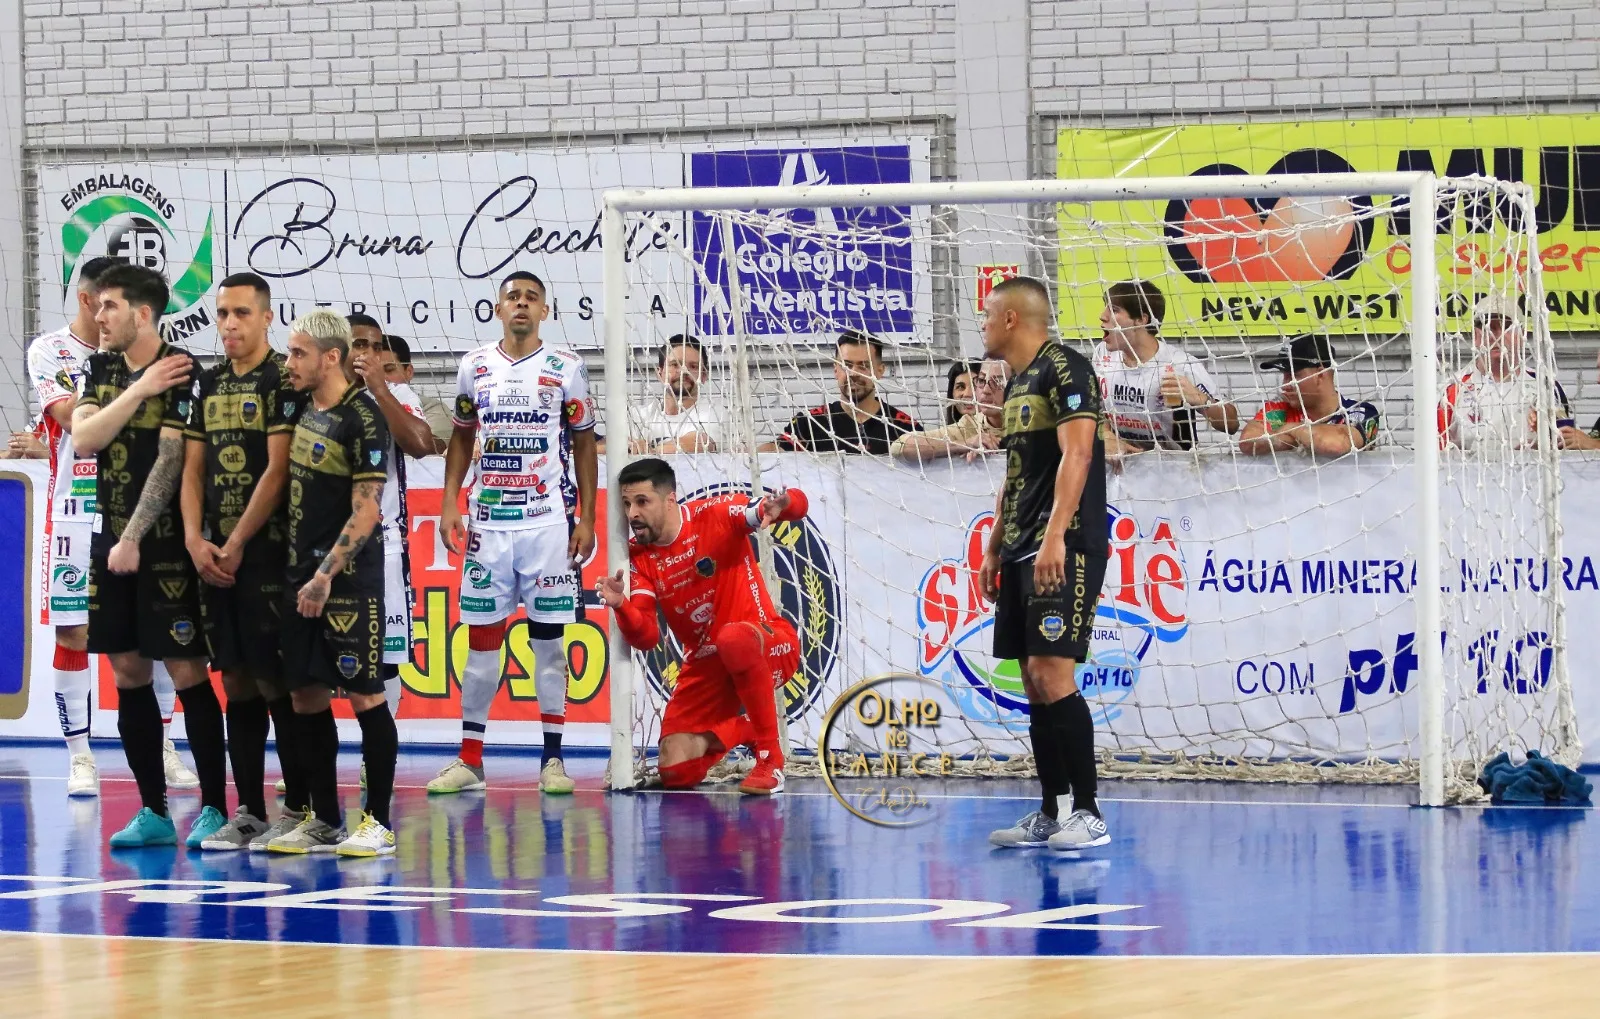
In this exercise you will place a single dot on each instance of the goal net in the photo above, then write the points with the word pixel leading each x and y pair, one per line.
pixel 1333 491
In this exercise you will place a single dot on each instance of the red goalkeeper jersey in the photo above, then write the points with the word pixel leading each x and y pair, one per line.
pixel 706 578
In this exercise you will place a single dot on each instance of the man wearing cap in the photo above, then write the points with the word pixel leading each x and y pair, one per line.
pixel 1310 415
pixel 1495 403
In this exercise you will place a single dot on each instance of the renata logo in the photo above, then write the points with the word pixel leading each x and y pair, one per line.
pixel 1143 603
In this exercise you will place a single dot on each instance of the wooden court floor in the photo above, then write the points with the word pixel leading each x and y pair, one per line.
pixel 96 977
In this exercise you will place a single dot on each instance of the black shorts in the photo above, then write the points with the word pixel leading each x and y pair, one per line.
pixel 341 649
pixel 1058 625
pixel 242 621
pixel 155 611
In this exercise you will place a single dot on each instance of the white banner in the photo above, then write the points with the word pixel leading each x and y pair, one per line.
pixel 1244 611
pixel 420 241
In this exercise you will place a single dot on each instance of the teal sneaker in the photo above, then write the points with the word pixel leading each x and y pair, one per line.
pixel 147 828
pixel 205 826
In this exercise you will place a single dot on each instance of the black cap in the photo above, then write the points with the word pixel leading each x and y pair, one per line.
pixel 1306 351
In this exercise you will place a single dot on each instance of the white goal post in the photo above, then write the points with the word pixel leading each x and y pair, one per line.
pixel 1430 469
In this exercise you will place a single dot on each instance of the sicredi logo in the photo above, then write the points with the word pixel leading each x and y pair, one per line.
pixel 808 271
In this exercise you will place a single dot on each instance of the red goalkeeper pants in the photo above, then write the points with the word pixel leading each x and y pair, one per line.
pixel 711 691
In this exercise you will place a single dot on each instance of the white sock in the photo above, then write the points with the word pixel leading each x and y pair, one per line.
pixel 550 679
pixel 166 695
pixel 479 683
pixel 391 693
pixel 72 705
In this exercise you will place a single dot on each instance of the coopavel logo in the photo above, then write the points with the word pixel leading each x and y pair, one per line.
pixel 1143 604
pixel 808 271
pixel 128 216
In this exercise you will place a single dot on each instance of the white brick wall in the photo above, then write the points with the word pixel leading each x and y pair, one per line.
pixel 221 72
pixel 1111 58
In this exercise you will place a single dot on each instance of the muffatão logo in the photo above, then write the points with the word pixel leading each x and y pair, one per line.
pixel 128 217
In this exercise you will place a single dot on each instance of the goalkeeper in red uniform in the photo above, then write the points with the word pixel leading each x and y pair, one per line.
pixel 695 562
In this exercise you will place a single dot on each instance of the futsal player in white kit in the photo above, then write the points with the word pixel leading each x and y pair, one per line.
pixel 55 369
pixel 531 527
pixel 1152 390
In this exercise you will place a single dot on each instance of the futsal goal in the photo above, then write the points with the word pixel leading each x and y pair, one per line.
pixel 1393 615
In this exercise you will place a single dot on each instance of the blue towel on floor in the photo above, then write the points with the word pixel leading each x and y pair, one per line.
pixel 1538 780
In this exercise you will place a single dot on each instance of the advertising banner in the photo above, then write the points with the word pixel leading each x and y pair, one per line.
pixel 1349 275
pixel 1245 610
pixel 421 240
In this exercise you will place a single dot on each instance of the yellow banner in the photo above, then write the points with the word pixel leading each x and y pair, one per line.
pixel 1342 274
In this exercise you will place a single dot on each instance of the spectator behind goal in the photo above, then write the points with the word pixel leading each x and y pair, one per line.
pixel 1495 403
pixel 1310 415
pixel 959 383
pixel 977 431
pixel 1152 389
pixel 860 422
pixel 1574 438
pixel 679 421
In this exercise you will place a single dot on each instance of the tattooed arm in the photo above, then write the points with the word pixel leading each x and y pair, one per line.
pixel 159 487
pixel 364 514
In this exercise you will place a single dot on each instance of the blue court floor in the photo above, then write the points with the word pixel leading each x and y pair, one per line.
pixel 1193 869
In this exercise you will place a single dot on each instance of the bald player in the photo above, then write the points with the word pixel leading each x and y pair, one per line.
pixel 1046 556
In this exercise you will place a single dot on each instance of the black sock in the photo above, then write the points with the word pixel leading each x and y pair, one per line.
pixel 552 747
pixel 202 722
pixel 139 725
pixel 247 752
pixel 1047 759
pixel 321 756
pixel 287 730
pixel 380 744
pixel 1075 730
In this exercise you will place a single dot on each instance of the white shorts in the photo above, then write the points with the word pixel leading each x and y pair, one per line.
pixel 530 566
pixel 66 600
pixel 396 610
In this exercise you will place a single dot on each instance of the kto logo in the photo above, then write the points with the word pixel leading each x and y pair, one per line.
pixel 1144 602
pixel 808 596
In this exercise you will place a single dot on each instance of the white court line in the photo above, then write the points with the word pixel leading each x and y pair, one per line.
pixel 732 790
pixel 799 955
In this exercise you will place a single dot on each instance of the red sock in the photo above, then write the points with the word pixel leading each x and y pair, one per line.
pixel 471 752
pixel 688 774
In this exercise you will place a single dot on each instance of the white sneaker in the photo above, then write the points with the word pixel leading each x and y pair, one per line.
pixel 1082 830
pixel 84 778
pixel 370 838
pixel 178 774
pixel 458 777
pixel 553 778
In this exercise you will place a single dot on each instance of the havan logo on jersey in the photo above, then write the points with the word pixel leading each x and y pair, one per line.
pixel 807 595
pixel 1143 604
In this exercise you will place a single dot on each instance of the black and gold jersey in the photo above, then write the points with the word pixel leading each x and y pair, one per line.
pixel 232 415
pixel 1058 386
pixel 126 461
pixel 333 449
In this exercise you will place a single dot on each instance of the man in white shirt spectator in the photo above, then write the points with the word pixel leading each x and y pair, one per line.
pixel 1495 403
pixel 977 431
pixel 678 422
pixel 1152 390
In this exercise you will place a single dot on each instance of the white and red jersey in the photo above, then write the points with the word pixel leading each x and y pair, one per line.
pixel 55 368
pixel 1479 411
pixel 393 503
pixel 1131 395
pixel 526 411
pixel 708 576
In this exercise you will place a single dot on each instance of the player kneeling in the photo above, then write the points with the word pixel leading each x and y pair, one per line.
pixel 695 561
